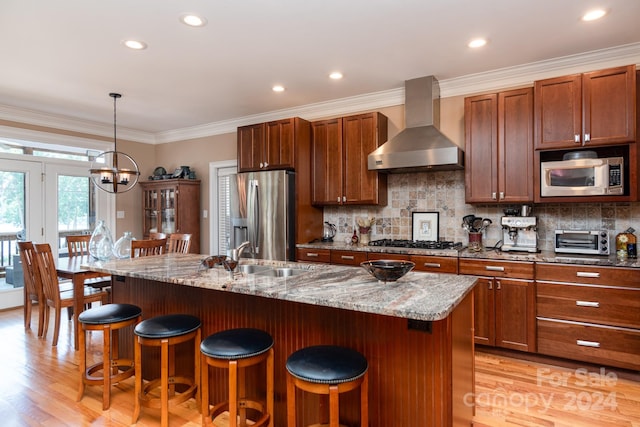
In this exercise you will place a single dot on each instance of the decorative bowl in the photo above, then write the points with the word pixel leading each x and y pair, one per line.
pixel 387 270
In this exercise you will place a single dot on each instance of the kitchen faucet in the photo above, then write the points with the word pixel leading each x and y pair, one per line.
pixel 237 252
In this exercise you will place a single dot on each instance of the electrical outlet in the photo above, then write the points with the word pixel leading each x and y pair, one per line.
pixel 205 213
pixel 120 214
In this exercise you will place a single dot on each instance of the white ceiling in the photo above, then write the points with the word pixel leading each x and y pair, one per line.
pixel 63 57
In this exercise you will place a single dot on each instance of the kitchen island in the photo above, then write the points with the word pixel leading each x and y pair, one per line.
pixel 417 333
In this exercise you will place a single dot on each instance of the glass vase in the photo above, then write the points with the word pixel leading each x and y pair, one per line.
pixel 122 248
pixel 101 243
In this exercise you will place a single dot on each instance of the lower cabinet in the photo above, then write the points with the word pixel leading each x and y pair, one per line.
pixel 313 255
pixel 348 257
pixel 590 314
pixel 505 304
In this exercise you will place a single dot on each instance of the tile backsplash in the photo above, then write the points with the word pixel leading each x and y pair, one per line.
pixel 443 192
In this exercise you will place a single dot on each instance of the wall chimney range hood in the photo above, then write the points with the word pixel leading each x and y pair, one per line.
pixel 420 146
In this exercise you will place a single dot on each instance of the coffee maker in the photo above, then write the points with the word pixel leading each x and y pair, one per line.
pixel 519 233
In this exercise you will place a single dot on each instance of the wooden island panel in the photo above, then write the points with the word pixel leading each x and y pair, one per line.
pixel 416 377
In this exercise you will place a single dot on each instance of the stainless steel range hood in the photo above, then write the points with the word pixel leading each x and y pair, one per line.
pixel 420 146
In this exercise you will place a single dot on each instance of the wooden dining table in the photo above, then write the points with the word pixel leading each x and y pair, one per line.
pixel 71 268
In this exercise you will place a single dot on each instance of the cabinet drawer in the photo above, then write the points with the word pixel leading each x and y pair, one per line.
pixel 605 305
pixel 510 269
pixel 313 255
pixel 611 276
pixel 435 264
pixel 348 257
pixel 590 343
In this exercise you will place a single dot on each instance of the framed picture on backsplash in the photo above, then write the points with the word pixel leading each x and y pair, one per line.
pixel 425 225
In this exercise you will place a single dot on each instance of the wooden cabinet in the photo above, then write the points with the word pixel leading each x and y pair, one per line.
pixel 313 255
pixel 267 146
pixel 504 303
pixel 348 257
pixel 172 206
pixel 499 147
pixel 435 264
pixel 590 109
pixel 340 148
pixel 589 313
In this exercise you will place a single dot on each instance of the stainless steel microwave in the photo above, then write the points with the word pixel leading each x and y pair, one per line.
pixel 582 177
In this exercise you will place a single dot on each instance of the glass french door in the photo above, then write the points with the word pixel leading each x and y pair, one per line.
pixel 42 201
pixel 21 201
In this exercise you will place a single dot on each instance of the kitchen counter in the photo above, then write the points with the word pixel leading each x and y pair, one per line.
pixel 416 333
pixel 417 295
pixel 487 253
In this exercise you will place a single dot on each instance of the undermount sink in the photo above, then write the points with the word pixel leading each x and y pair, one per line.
pixel 269 271
pixel 253 269
pixel 280 272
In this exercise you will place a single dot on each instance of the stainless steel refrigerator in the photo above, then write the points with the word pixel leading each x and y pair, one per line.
pixel 262 211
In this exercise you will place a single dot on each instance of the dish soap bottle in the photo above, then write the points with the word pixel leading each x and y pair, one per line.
pixel 623 241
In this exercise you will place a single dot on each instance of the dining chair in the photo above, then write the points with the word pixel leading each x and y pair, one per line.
pixel 78 245
pixel 32 286
pixel 53 296
pixel 157 236
pixel 140 248
pixel 179 242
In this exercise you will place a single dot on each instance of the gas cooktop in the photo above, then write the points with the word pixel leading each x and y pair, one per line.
pixel 416 244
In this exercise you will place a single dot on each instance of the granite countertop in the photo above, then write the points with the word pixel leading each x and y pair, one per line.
pixel 487 253
pixel 417 295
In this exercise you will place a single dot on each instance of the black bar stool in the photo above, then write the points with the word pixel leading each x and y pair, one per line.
pixel 109 319
pixel 165 332
pixel 235 350
pixel 328 370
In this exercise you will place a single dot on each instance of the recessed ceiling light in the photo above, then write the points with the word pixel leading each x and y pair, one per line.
pixel 134 44
pixel 477 43
pixel 193 20
pixel 278 88
pixel 336 75
pixel 592 15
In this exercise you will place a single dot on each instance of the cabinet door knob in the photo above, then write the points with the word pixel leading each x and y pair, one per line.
pixel 344 198
pixel 266 165
pixel 576 138
pixel 490 283
pixel 261 165
pixel 494 196
pixel 587 137
pixel 501 195
pixel 498 285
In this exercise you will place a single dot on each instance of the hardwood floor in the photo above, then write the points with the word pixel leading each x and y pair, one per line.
pixel 39 387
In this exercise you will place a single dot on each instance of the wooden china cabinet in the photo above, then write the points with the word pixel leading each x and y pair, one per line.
pixel 172 206
pixel 582 110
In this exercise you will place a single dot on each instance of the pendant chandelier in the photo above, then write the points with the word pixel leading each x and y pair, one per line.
pixel 113 171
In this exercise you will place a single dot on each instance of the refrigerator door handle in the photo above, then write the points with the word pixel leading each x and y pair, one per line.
pixel 253 215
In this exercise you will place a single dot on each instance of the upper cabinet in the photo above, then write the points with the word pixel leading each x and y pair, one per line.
pixel 499 147
pixel 267 146
pixel 590 109
pixel 340 148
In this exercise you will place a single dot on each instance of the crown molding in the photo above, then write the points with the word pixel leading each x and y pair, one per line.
pixel 314 111
pixel 38 138
pixel 502 78
pixel 526 74
pixel 37 118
